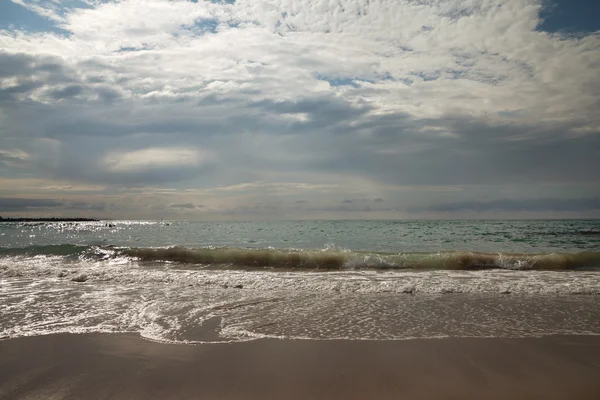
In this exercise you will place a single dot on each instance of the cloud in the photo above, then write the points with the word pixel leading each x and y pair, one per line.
pixel 81 205
pixel 580 205
pixel 23 204
pixel 186 206
pixel 45 9
pixel 13 157
pixel 20 185
pixel 151 158
pixel 289 187
pixel 409 101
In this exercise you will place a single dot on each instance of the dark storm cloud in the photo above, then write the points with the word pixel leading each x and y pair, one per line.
pixel 401 150
pixel 391 149
pixel 66 92
pixel 31 73
pixel 168 117
pixel 58 81
pixel 86 135
pixel 107 94
pixel 334 136
pixel 10 204
pixel 23 86
pixel 22 204
pixel 322 110
pixel 95 171
pixel 8 95
pixel 26 65
pixel 80 205
pixel 62 81
pixel 586 204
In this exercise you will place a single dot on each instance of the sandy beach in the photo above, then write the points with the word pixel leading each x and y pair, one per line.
pixel 124 366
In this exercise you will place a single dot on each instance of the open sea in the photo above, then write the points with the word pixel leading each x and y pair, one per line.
pixel 197 282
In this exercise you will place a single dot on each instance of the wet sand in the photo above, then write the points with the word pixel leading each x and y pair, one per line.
pixel 124 366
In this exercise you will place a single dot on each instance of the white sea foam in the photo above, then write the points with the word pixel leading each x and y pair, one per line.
pixel 189 314
pixel 125 271
pixel 44 294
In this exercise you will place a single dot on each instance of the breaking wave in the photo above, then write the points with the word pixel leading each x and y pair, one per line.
pixel 326 259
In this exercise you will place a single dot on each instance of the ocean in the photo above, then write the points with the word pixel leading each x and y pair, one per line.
pixel 199 282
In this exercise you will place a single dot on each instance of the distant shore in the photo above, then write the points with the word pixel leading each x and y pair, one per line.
pixel 53 219
pixel 124 366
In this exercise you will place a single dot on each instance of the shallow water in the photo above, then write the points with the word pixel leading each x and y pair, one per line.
pixel 368 280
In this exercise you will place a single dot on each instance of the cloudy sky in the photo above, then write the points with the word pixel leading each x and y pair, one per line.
pixel 243 109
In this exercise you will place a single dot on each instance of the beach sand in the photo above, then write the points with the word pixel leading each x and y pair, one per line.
pixel 125 366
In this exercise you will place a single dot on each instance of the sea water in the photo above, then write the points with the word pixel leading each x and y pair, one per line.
pixel 194 282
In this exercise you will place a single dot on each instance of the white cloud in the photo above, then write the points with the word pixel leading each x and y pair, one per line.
pixel 350 97
pixel 284 187
pixel 14 153
pixel 461 56
pixel 152 158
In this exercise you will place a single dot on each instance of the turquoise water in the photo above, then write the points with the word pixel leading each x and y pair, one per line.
pixel 195 282
pixel 317 244
pixel 377 236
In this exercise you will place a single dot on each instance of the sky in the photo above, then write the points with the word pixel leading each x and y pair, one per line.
pixel 300 109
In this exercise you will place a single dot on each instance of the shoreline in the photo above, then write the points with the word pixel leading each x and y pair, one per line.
pixel 115 366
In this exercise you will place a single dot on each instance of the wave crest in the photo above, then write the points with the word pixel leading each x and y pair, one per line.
pixel 327 259
pixel 336 259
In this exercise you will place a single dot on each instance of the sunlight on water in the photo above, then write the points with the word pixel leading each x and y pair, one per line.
pixel 189 282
